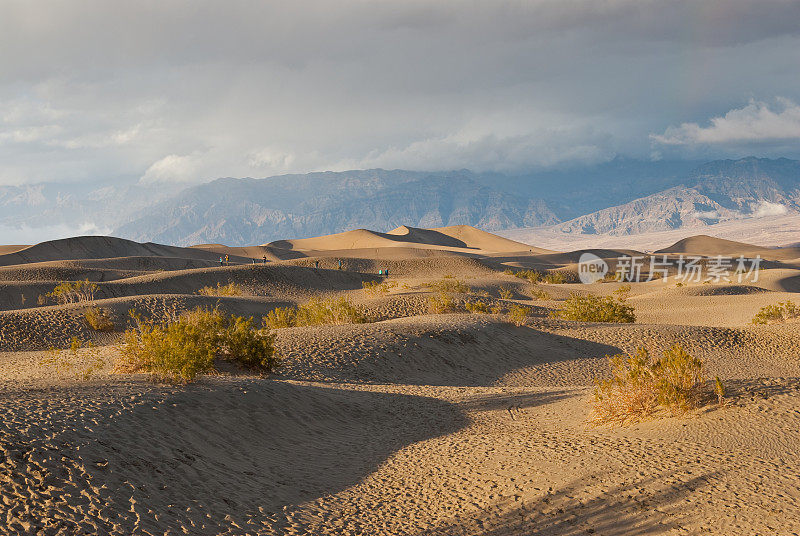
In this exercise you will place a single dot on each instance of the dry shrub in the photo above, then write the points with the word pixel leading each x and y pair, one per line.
pixel 73 292
pixel 595 309
pixel 531 275
pixel 780 312
pixel 506 293
pixel 555 278
pixel 477 307
pixel 449 284
pixel 518 314
pixel 98 319
pixel 231 289
pixel 179 350
pixel 640 386
pixel 539 294
pixel 377 288
pixel 315 313
pixel 442 303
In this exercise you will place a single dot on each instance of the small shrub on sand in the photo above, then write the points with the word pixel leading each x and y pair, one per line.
pixel 719 390
pixel 377 288
pixel 81 359
pixel 315 313
pixel 179 350
pixel 477 307
pixel 231 289
pixel 622 292
pixel 73 292
pixel 442 303
pixel 595 309
pixel 449 284
pixel 555 278
pixel 497 309
pixel 531 275
pixel 539 294
pixel 518 314
pixel 508 272
pixel 98 319
pixel 780 312
pixel 640 386
pixel 506 293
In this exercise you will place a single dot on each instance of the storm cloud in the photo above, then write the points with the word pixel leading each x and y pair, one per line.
pixel 190 91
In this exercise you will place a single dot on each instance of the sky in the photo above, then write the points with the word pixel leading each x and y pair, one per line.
pixel 188 91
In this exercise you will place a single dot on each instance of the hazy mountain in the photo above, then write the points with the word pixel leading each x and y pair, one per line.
pixel 715 192
pixel 256 211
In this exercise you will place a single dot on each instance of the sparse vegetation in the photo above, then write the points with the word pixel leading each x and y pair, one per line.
pixel 73 292
pixel 477 306
pixel 81 359
pixel 442 303
pixel 555 278
pixel 780 312
pixel 377 287
pixel 531 275
pixel 593 308
pixel 179 350
pixel 98 319
pixel 518 314
pixel 539 294
pixel 449 284
pixel 622 292
pixel 506 293
pixel 315 313
pixel 231 289
pixel 719 390
pixel 639 386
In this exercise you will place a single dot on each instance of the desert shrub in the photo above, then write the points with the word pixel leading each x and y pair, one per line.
pixel 531 275
pixel 506 293
pixel 780 312
pixel 449 284
pixel 611 277
pixel 315 313
pixel 41 300
pixel 497 309
pixel 539 294
pixel 98 319
pixel 73 292
pixel 477 307
pixel 231 289
pixel 622 292
pixel 508 272
pixel 555 278
pixel 518 314
pixel 179 350
pixel 595 309
pixel 377 287
pixel 442 303
pixel 639 386
pixel 719 390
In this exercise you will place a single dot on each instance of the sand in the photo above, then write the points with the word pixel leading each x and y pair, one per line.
pixel 416 424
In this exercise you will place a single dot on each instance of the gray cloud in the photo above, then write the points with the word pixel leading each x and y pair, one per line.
pixel 189 91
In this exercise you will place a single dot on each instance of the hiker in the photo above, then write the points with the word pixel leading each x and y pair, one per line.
pixel 316 264
pixel 220 261
pixel 265 259
pixel 226 260
pixel 340 264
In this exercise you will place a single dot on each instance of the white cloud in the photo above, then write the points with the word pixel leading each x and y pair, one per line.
pixel 767 208
pixel 756 122
pixel 173 168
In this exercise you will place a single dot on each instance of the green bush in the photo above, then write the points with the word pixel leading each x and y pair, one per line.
pixel 780 312
pixel 181 349
pixel 231 289
pixel 73 292
pixel 442 303
pixel 315 313
pixel 555 278
pixel 98 319
pixel 595 309
pixel 506 293
pixel 449 284
pixel 477 307
pixel 639 386
pixel 518 314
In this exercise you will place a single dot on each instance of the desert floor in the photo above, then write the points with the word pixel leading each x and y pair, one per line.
pixel 415 424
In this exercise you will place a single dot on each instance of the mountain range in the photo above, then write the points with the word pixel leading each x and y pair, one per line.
pixel 620 197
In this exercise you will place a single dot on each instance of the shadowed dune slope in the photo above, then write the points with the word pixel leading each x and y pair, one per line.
pixel 461 237
pixel 710 246
pixel 101 247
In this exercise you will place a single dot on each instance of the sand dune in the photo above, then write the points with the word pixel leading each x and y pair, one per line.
pixel 413 424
